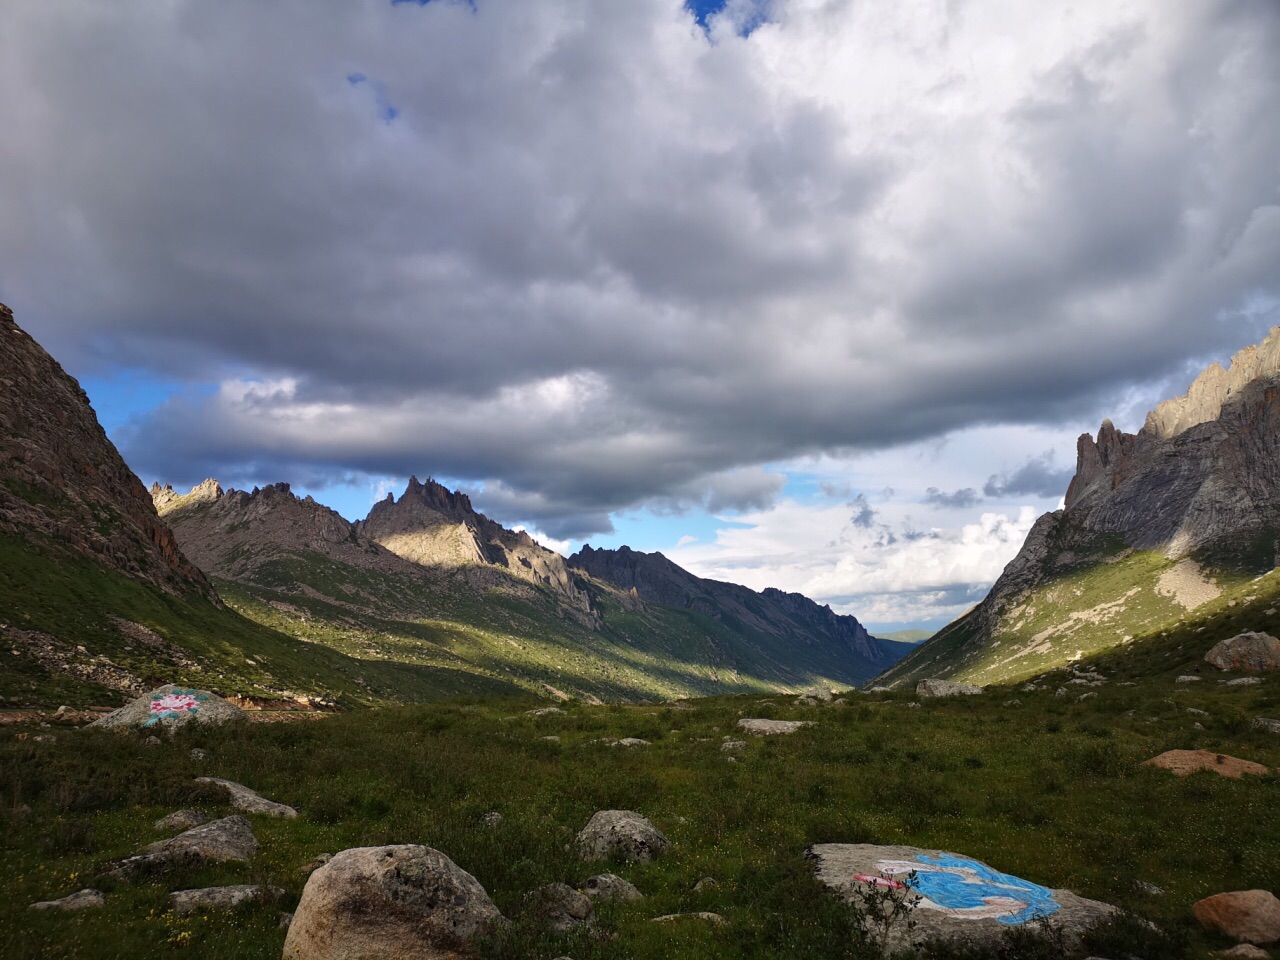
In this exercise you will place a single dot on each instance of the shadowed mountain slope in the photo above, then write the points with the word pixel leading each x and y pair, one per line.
pixel 97 600
pixel 1156 527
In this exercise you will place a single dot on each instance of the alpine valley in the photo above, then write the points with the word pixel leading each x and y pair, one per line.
pixel 108 591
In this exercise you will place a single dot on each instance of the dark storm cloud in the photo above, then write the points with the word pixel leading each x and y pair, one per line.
pixel 957 499
pixel 1037 477
pixel 590 255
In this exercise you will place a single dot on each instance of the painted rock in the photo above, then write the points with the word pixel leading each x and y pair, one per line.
pixel 171 706
pixel 956 897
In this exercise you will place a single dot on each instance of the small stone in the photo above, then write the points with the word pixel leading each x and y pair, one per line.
pixel 247 801
pixel 1187 678
pixel 220 898
pixel 283 920
pixel 559 906
pixel 1085 696
pixel 1197 713
pixel 492 819
pixel 607 886
pixel 731 745
pixel 197 754
pixel 1243 951
pixel 1060 692
pixel 86 899
pixel 703 915
pixel 181 820
pixel 1243 682
pixel 551 739
pixel 151 741
pixel 543 712
pixel 316 864
pixel 706 883
pixel 945 688
pixel 1150 889
pixel 1013 703
pixel 632 742
pixel 768 728
pixel 1264 724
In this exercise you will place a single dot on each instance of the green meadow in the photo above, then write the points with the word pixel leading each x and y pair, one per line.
pixel 1049 788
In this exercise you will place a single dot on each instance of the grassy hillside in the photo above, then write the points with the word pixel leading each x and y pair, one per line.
pixel 521 636
pixel 54 603
pixel 1110 600
pixel 1051 789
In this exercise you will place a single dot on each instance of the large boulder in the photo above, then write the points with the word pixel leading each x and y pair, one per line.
pixel 960 898
pixel 1246 653
pixel 1249 916
pixel 170 706
pixel 389 903
pixel 620 833
pixel 230 838
pixel 945 688
pixel 247 801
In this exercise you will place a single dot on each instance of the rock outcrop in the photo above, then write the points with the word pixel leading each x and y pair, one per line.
pixel 945 688
pixel 62 481
pixel 249 801
pixel 1198 484
pixel 217 841
pixel 436 527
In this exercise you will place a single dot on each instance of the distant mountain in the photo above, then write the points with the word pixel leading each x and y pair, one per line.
pixel 97 600
pixel 1160 530
pixel 911 637
pixel 783 622
pixel 427 580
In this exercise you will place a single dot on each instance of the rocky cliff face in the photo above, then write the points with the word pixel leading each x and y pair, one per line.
pixel 787 616
pixel 436 527
pixel 1194 495
pixel 63 484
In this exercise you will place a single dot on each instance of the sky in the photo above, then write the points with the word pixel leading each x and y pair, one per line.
pixel 814 294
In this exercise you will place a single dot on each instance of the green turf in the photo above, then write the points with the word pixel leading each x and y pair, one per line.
pixel 1052 790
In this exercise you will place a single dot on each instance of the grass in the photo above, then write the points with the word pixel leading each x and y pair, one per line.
pixel 1052 790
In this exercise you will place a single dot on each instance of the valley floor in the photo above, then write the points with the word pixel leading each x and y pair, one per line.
pixel 1048 788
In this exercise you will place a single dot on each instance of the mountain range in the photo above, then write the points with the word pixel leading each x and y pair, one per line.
pixel 106 591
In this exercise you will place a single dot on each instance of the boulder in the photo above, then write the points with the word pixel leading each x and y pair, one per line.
pixel 1246 653
pixel 607 886
pixel 389 903
pixel 961 899
pixel 769 728
pixel 1265 725
pixel 559 906
pixel 1185 762
pixel 1242 682
pixel 631 742
pixel 247 801
pixel 230 838
pixel 221 898
pixel 181 820
pixel 1249 916
pixel 80 900
pixel 945 688
pixel 620 833
pixel 169 707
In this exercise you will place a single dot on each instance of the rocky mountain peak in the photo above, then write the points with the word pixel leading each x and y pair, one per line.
pixel 63 482
pixel 1212 389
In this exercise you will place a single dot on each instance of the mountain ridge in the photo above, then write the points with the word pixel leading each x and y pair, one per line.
pixel 1154 525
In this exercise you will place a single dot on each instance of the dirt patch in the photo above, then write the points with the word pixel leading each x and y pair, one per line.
pixel 1186 583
